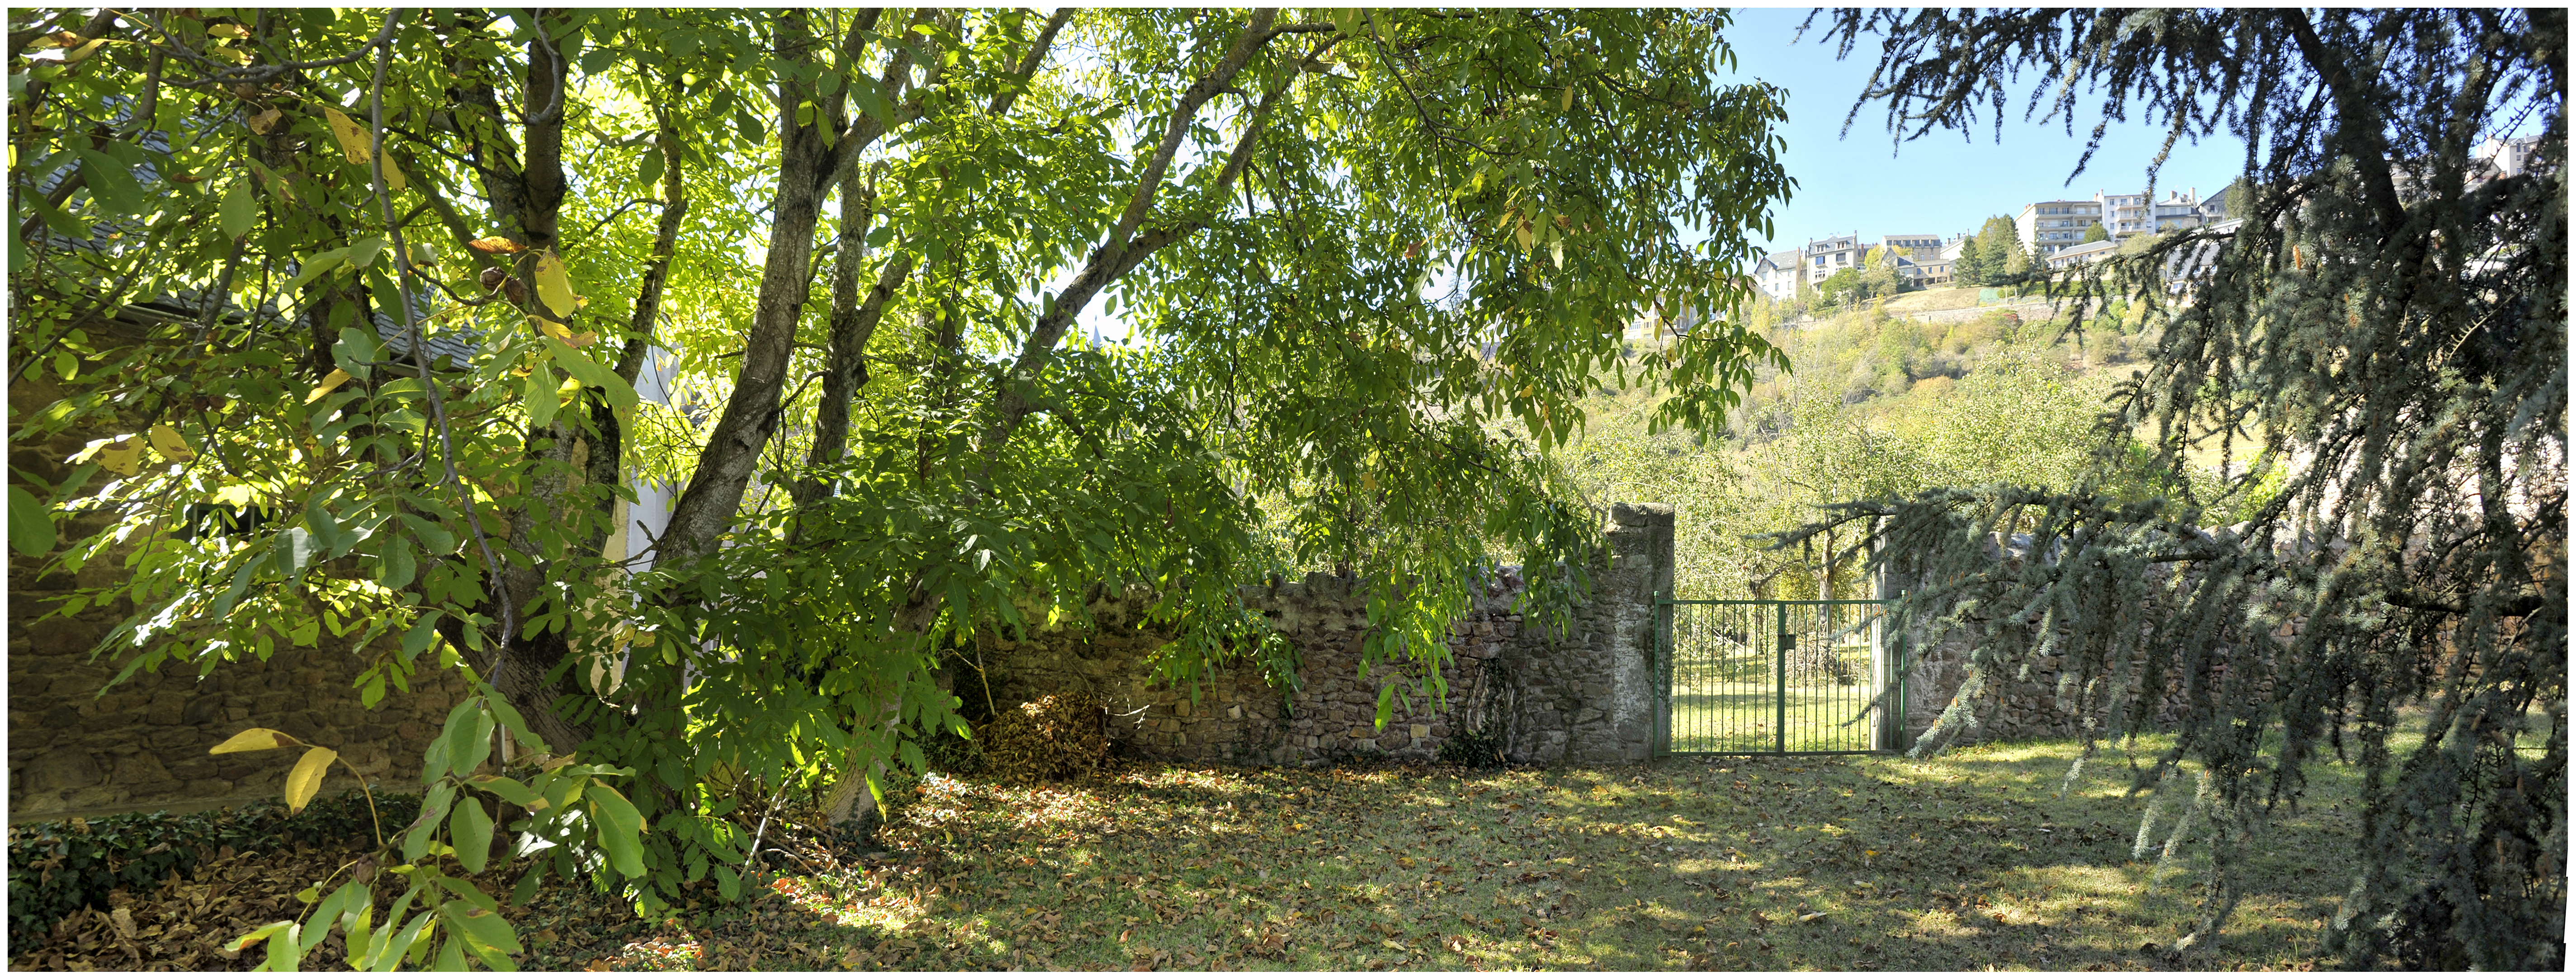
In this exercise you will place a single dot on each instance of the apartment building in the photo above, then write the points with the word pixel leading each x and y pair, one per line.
pixel 2046 226
pixel 2123 215
pixel 2503 158
pixel 1906 244
pixel 2179 209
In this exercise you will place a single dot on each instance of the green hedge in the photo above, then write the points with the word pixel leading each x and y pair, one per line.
pixel 56 868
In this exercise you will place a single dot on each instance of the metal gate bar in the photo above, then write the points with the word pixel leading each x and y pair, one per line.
pixel 1769 677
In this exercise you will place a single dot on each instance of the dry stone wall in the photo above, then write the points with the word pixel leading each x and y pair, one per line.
pixel 1582 697
pixel 77 746
pixel 2032 705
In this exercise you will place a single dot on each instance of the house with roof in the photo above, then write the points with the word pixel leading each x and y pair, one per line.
pixel 2081 255
pixel 1779 274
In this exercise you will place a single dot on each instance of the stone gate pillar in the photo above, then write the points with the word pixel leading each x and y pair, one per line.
pixel 1639 568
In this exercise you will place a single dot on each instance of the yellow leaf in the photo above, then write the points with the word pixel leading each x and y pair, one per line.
pixel 495 246
pixel 330 382
pixel 1568 104
pixel 306 778
pixel 1521 234
pixel 353 137
pixel 166 439
pixel 84 51
pixel 266 121
pixel 554 286
pixel 255 740
pixel 121 457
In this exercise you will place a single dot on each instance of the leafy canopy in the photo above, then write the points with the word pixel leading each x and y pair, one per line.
pixel 2385 335
pixel 441 289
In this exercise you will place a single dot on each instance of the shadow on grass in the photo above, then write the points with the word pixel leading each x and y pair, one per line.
pixel 1962 862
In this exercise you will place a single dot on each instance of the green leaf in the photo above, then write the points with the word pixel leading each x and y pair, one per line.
pixel 518 794
pixel 327 535
pixel 111 183
pixel 298 547
pixel 285 950
pixel 433 810
pixel 422 635
pixel 31 524
pixel 349 896
pixel 511 718
pixel 526 889
pixel 620 830
pixel 565 790
pixel 240 211
pixel 470 830
pixel 394 952
pixel 464 889
pixel 728 883
pixel 397 567
pixel 314 266
pixel 356 349
pixel 589 372
pixel 435 539
pixel 538 392
pixel 649 172
pixel 451 955
pixel 469 740
pixel 482 926
pixel 365 251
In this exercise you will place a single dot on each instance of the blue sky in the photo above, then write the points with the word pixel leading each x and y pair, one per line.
pixel 1939 184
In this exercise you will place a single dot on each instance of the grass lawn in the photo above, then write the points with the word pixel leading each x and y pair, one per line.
pixel 1930 300
pixel 1847 862
pixel 1745 717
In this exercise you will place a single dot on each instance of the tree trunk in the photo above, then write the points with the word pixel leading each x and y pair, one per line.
pixel 807 161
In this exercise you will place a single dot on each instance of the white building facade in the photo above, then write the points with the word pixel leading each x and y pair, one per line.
pixel 2047 226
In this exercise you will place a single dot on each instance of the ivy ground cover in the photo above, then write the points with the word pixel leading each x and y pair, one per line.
pixel 1960 863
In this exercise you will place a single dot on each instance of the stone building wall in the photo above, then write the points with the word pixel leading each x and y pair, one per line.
pixel 1583 697
pixel 78 747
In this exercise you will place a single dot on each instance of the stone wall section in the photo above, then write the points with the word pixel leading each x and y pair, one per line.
pixel 78 747
pixel 2032 707
pixel 1583 697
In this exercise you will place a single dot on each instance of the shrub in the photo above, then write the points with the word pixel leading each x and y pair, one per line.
pixel 56 868
pixel 1054 737
pixel 1474 749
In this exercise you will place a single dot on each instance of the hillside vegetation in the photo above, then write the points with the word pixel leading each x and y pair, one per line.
pixel 1874 404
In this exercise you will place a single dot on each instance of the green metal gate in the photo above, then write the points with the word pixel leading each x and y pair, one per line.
pixel 1742 677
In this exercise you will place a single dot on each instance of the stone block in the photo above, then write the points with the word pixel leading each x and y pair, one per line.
pixel 62 769
pixel 139 770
